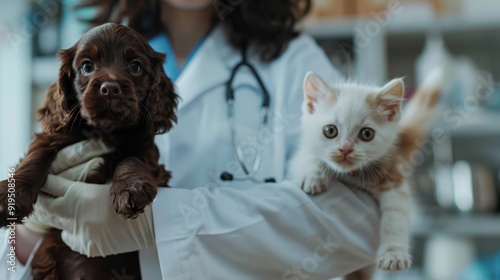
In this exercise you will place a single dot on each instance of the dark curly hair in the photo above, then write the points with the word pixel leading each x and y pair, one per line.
pixel 267 25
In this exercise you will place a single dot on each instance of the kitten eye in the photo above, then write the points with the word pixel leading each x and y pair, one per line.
pixel 330 131
pixel 87 67
pixel 135 67
pixel 366 134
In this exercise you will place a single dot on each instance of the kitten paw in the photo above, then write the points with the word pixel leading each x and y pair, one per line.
pixel 394 259
pixel 314 184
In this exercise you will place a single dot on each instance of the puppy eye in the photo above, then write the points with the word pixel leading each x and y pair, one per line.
pixel 366 134
pixel 87 67
pixel 330 131
pixel 135 67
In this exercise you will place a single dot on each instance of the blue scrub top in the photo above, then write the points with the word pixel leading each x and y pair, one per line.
pixel 161 44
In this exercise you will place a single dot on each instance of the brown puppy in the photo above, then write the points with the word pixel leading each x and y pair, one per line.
pixel 111 87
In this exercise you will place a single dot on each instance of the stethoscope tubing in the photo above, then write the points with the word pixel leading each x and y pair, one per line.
pixel 266 99
pixel 239 152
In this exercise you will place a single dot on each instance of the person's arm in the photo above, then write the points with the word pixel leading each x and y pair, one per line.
pixel 16 250
pixel 271 231
pixel 26 240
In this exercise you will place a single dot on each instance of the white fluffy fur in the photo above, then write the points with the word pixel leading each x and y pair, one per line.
pixel 349 113
pixel 346 107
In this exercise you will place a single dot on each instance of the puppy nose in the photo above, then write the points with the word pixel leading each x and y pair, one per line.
pixel 345 151
pixel 110 88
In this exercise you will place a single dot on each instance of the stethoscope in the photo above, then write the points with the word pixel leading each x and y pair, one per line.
pixel 249 173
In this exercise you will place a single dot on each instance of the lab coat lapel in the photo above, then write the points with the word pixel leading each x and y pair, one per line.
pixel 210 67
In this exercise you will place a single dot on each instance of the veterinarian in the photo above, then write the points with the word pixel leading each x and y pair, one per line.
pixel 204 227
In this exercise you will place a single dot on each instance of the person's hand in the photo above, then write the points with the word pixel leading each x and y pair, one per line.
pixel 89 226
pixel 83 212
pixel 73 162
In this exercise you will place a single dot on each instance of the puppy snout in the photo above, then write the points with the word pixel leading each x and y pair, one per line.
pixel 110 89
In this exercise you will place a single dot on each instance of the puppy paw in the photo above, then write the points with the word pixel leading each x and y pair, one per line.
pixel 14 204
pixel 315 184
pixel 130 196
pixel 394 259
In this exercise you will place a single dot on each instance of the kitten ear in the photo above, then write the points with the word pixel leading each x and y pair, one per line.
pixel 315 89
pixel 390 98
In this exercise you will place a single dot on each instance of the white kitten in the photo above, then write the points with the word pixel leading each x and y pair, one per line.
pixel 353 133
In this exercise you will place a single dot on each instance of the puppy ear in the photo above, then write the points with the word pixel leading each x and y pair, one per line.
pixel 162 99
pixel 55 112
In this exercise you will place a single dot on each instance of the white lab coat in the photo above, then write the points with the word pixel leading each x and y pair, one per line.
pixel 209 229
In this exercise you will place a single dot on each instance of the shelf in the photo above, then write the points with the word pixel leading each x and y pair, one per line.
pixel 324 28
pixel 334 28
pixel 444 24
pixel 476 124
pixel 484 225
pixel 45 70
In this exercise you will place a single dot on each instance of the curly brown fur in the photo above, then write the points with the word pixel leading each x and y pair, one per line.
pixel 111 87
pixel 54 255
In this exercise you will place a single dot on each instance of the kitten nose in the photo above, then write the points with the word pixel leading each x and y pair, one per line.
pixel 345 151
pixel 109 89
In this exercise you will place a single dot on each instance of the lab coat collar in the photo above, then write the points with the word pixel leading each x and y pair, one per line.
pixel 210 67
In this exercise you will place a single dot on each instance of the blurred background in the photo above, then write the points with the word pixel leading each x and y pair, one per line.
pixel 455 175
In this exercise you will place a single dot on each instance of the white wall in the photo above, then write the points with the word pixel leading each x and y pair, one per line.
pixel 15 87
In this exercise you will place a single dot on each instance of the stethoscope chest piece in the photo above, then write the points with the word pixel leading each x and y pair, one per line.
pixel 226 176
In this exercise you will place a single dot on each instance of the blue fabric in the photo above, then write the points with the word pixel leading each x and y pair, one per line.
pixel 161 44
pixel 486 268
